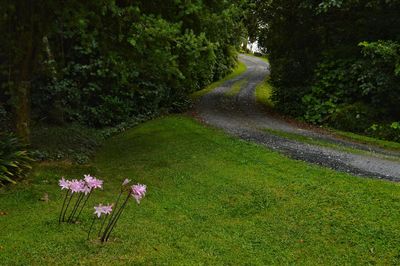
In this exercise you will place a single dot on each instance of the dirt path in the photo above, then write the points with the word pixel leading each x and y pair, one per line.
pixel 241 116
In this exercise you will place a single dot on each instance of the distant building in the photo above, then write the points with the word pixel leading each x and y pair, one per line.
pixel 253 47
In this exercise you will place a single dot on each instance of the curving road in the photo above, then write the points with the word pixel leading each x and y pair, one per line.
pixel 241 116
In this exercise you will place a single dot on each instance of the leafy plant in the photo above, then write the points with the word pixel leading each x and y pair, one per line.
pixel 15 161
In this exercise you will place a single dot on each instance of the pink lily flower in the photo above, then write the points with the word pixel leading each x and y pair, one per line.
pixel 138 192
pixel 76 185
pixel 98 210
pixel 64 184
pixel 107 209
pixel 93 182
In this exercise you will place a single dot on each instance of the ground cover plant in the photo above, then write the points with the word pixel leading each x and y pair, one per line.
pixel 15 160
pixel 214 200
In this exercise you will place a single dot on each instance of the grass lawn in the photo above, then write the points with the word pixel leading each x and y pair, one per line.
pixel 391 145
pixel 240 69
pixel 236 87
pixel 264 93
pixel 212 199
pixel 326 143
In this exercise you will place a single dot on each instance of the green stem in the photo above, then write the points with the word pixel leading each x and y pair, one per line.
pixel 113 212
pixel 102 225
pixel 66 208
pixel 78 201
pixel 116 218
pixel 91 226
pixel 62 209
pixel 84 203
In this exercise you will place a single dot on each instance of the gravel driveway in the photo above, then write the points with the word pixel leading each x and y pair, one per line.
pixel 241 116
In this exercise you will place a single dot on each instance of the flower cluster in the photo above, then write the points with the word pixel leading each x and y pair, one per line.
pixel 112 212
pixel 93 182
pixel 83 187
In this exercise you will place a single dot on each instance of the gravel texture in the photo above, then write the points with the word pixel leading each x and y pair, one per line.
pixel 240 115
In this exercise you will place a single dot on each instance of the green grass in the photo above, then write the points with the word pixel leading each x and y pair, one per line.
pixel 236 87
pixel 68 142
pixel 212 199
pixel 325 143
pixel 264 58
pixel 368 140
pixel 264 93
pixel 240 69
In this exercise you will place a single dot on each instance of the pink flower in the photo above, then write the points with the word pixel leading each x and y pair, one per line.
pixel 64 184
pixel 98 210
pixel 76 185
pixel 88 178
pixel 138 192
pixel 107 209
pixel 85 189
pixel 126 182
pixel 93 182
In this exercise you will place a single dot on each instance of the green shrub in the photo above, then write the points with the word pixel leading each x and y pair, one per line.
pixel 354 94
pixel 355 117
pixel 335 86
pixel 289 88
pixel 386 131
pixel 15 161
pixel 379 78
pixel 119 62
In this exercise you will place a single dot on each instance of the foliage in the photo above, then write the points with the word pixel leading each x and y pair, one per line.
pixel 102 63
pixel 15 161
pixel 379 80
pixel 385 131
pixel 354 94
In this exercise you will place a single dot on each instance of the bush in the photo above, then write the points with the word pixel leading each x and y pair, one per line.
pixel 120 62
pixel 15 161
pixel 356 93
pixel 387 131
pixel 379 78
pixel 335 86
pixel 355 117
pixel 286 78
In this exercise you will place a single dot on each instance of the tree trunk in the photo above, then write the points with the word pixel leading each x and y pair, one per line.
pixel 22 110
pixel 24 62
